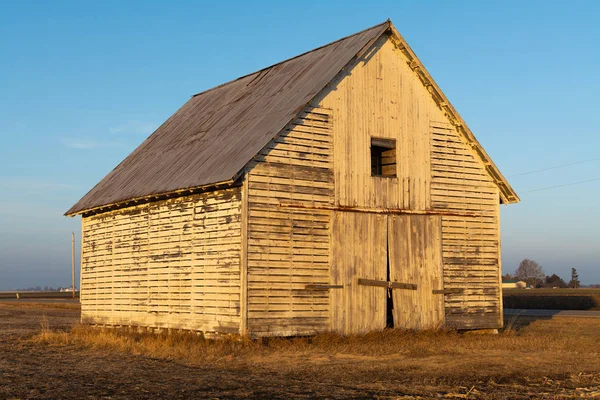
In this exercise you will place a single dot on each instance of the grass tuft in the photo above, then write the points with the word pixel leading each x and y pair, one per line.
pixel 543 342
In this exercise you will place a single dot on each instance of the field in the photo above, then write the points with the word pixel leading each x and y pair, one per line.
pixel 38 295
pixel 552 299
pixel 45 354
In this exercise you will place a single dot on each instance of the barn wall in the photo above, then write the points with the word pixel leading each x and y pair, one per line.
pixel 380 96
pixel 288 235
pixel 471 244
pixel 171 264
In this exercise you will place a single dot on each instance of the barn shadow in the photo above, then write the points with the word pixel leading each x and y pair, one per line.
pixel 519 319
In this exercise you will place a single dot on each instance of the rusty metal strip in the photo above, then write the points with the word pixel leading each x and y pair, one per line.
pixel 312 206
pixel 387 284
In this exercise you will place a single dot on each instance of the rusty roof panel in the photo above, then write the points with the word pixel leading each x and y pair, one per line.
pixel 214 135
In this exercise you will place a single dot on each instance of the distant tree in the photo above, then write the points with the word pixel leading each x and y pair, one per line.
pixel 530 272
pixel 554 281
pixel 574 283
pixel 508 277
pixel 37 289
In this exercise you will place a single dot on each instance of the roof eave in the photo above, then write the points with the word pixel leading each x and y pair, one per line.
pixel 507 194
pixel 74 211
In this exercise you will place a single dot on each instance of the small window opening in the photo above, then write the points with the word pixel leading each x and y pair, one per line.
pixel 383 157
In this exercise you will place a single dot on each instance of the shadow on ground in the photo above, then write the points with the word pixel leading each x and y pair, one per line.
pixel 518 321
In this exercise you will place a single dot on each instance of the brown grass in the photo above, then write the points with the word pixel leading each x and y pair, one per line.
pixel 38 295
pixel 567 340
pixel 40 304
pixel 553 355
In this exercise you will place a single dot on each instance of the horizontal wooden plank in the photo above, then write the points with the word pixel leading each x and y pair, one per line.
pixel 323 287
pixel 253 178
pixel 386 284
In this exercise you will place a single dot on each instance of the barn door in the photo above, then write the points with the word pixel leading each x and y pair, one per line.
pixel 415 256
pixel 359 251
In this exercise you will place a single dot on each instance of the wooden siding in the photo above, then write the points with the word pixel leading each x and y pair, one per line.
pixel 364 246
pixel 240 260
pixel 359 251
pixel 471 252
pixel 379 96
pixel 170 264
pixel 415 257
pixel 288 247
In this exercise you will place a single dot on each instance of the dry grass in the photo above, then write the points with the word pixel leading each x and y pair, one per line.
pixel 40 305
pixel 46 333
pixel 38 295
pixel 568 341
pixel 547 357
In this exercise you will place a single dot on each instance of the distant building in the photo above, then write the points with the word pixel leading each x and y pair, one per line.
pixel 69 289
pixel 513 284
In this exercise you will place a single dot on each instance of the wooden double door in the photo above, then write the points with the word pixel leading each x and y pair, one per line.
pixel 388 272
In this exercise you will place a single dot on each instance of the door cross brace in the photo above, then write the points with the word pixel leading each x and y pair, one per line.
pixel 387 284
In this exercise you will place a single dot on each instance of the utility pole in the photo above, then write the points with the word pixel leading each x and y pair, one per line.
pixel 73 263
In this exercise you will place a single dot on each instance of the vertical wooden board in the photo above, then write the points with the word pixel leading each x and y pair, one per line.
pixel 337 311
pixel 378 95
pixel 358 251
pixel 401 244
pixel 437 267
pixel 244 260
pixel 415 257
pixel 500 299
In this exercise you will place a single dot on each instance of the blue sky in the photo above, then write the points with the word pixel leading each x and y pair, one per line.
pixel 83 83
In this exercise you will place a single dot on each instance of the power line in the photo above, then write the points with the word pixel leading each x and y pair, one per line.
pixel 566 184
pixel 555 167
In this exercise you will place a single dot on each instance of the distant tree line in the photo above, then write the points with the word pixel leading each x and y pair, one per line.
pixel 40 289
pixel 533 275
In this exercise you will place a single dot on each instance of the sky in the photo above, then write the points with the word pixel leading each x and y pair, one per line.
pixel 82 83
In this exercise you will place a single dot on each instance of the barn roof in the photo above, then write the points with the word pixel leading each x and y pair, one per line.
pixel 211 138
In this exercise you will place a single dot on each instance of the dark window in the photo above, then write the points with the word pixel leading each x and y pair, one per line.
pixel 383 157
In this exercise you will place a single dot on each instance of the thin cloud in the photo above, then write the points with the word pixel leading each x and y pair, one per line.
pixel 80 143
pixel 87 144
pixel 135 127
pixel 20 210
pixel 28 183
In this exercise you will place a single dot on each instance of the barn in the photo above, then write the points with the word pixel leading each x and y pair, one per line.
pixel 338 191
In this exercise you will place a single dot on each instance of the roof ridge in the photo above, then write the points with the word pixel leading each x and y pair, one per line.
pixel 388 22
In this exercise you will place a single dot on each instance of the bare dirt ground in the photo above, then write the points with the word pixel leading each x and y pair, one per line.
pixel 546 359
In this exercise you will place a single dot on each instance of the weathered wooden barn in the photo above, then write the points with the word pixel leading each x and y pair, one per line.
pixel 336 191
